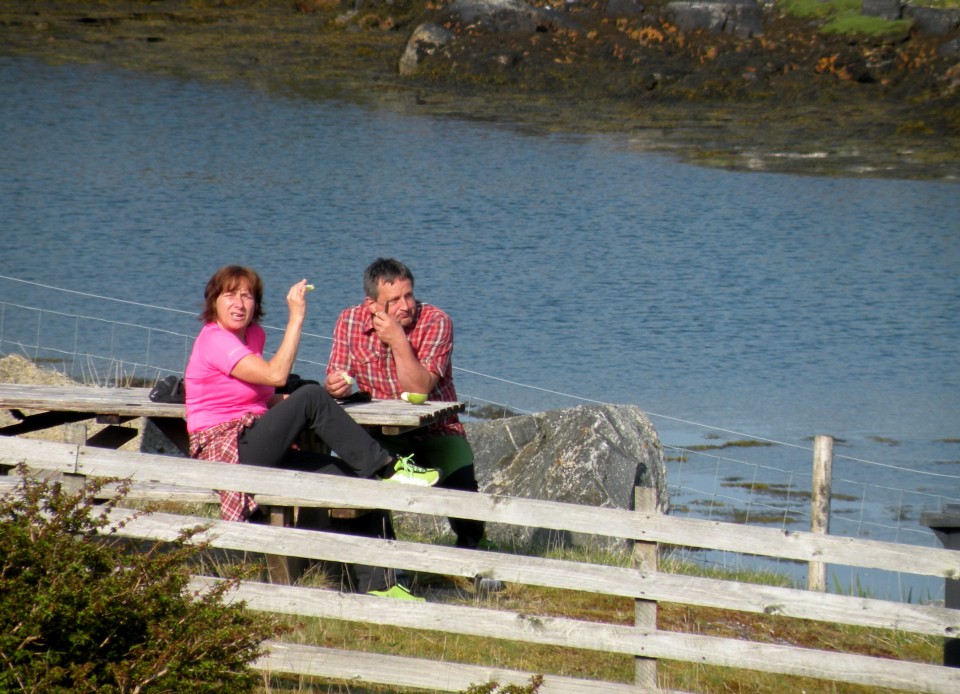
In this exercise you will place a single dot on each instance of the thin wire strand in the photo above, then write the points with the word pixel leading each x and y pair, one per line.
pixel 95 296
pixel 527 386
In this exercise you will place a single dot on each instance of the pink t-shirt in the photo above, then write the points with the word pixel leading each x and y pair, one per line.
pixel 213 395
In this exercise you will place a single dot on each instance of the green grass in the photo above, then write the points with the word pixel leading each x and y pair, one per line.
pixel 856 24
pixel 570 662
pixel 533 601
pixel 844 18
pixel 813 9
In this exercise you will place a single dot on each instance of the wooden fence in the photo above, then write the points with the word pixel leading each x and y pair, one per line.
pixel 642 640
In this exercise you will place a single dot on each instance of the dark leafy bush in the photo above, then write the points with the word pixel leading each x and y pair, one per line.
pixel 80 612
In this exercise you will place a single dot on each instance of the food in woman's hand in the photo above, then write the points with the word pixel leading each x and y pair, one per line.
pixel 348 378
pixel 415 398
pixel 309 287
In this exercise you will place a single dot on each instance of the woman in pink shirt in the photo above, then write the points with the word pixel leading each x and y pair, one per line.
pixel 234 413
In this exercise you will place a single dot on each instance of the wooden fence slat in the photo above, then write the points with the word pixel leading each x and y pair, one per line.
pixel 154 491
pixel 671 588
pixel 49 455
pixel 611 638
pixel 329 489
pixel 416 672
pixel 647 585
pixel 556 573
pixel 802 546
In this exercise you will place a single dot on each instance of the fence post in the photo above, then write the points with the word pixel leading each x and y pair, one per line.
pixel 946 526
pixel 820 505
pixel 645 611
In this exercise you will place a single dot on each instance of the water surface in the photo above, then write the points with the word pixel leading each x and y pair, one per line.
pixel 576 268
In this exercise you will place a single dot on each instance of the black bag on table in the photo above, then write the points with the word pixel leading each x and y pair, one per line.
pixel 169 389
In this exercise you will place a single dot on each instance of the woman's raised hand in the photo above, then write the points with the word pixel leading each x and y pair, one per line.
pixel 296 300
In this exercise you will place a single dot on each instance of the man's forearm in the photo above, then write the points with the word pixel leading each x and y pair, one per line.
pixel 413 376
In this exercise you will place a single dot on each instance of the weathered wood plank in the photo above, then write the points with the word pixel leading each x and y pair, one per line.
pixel 401 671
pixel 611 638
pixel 546 514
pixel 47 455
pixel 925 619
pixel 135 402
pixel 122 401
pixel 607 580
pixel 159 492
pixel 532 570
pixel 330 490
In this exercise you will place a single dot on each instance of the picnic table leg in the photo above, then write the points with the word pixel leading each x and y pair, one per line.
pixel 283 570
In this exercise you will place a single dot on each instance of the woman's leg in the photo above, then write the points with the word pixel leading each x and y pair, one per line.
pixel 268 441
pixel 377 524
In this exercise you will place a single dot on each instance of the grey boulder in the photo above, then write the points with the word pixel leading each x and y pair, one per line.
pixel 588 455
pixel 427 39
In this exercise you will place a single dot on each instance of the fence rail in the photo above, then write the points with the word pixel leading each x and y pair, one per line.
pixel 880 487
pixel 639 640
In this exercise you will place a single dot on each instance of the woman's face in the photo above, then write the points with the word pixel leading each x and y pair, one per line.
pixel 235 308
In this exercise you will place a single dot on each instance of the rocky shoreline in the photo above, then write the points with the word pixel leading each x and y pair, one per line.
pixel 781 96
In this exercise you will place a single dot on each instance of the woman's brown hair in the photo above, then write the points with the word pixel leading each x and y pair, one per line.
pixel 227 279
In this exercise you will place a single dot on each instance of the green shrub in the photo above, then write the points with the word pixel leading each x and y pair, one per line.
pixel 81 613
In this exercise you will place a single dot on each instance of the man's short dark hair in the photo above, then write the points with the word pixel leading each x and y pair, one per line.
pixel 387 270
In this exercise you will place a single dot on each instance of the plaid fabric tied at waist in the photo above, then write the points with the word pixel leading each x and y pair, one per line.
pixel 221 443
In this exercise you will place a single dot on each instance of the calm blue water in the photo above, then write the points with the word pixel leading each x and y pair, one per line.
pixel 578 267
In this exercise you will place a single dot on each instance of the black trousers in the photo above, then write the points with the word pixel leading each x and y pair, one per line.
pixel 468 532
pixel 268 444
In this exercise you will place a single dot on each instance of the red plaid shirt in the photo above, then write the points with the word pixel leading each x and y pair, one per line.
pixel 358 350
pixel 220 443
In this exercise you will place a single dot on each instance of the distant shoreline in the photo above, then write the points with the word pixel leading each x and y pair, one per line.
pixel 812 126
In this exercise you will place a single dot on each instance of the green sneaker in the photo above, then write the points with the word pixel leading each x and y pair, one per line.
pixel 405 472
pixel 397 592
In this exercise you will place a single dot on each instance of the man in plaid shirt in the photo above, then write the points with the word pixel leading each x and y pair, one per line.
pixel 391 344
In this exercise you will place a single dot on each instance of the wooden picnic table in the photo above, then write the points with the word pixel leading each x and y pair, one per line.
pixel 53 406
pixel 41 407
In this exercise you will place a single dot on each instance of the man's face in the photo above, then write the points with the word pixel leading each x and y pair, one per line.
pixel 397 300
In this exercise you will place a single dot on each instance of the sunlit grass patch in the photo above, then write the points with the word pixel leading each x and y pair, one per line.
pixel 534 601
pixel 807 9
pixel 845 18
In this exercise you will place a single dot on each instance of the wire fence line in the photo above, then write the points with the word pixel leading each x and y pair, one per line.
pixel 766 482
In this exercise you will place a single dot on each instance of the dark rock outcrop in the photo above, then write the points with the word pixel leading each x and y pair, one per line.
pixel 742 18
pixel 931 20
pixel 625 9
pixel 884 9
pixel 503 16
